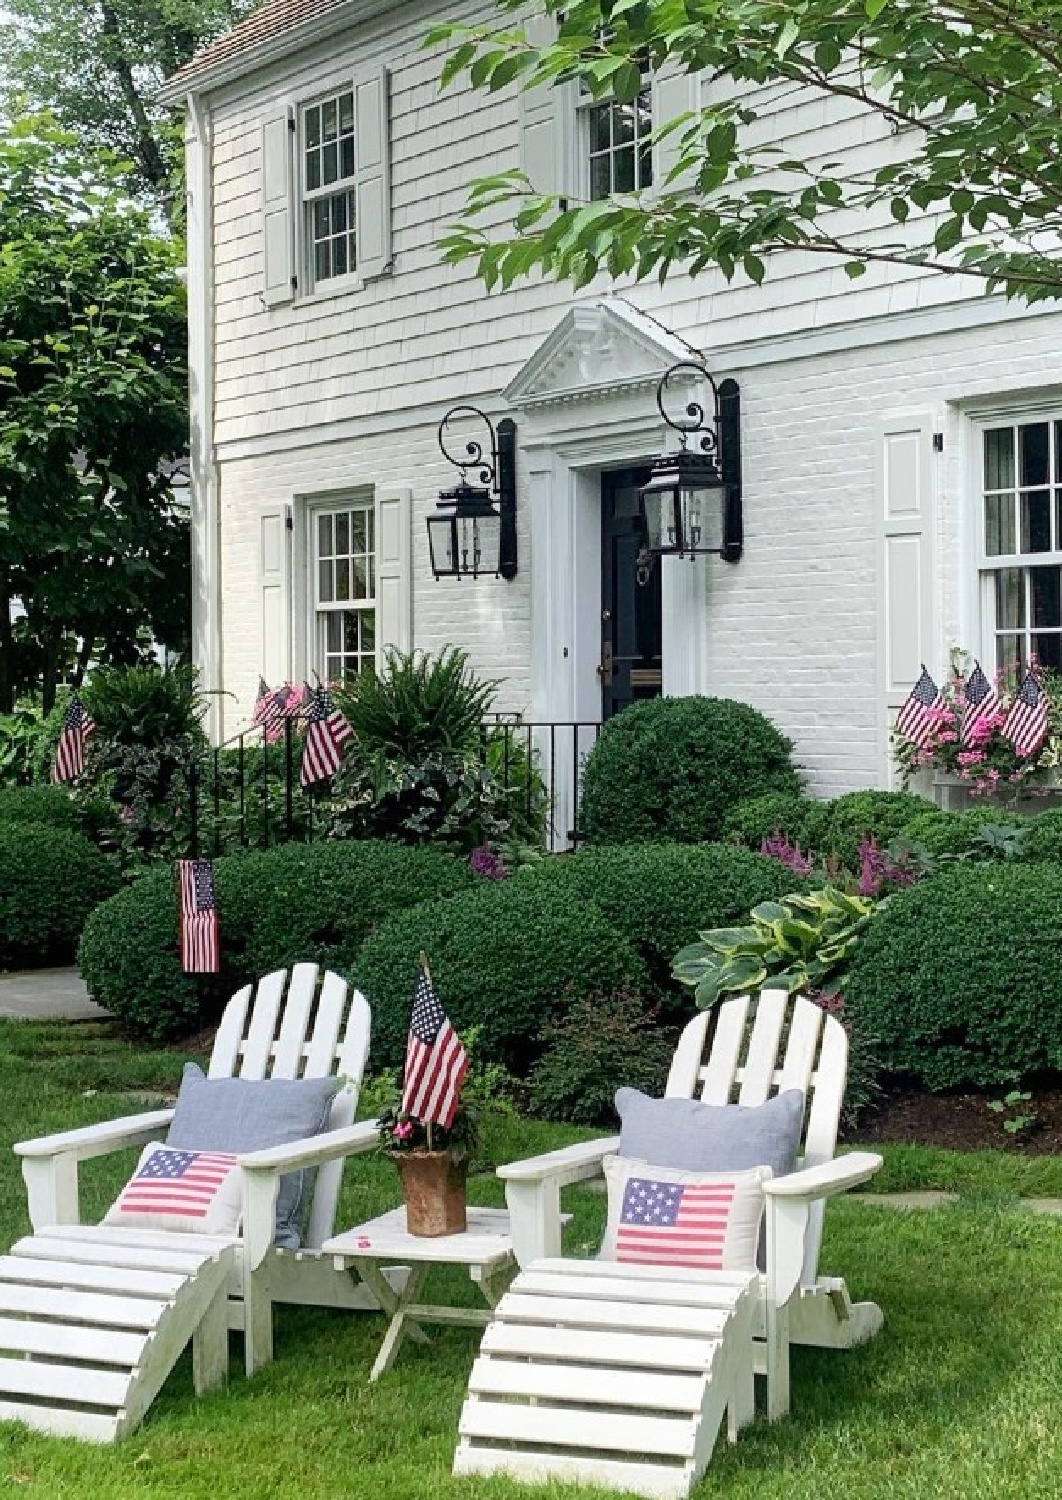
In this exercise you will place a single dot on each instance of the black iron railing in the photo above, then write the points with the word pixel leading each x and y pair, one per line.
pixel 247 793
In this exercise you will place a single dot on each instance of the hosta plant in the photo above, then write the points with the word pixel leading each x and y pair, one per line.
pixel 798 943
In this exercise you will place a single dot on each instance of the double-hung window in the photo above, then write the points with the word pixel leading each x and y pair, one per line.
pixel 1021 565
pixel 344 589
pixel 329 178
pixel 616 143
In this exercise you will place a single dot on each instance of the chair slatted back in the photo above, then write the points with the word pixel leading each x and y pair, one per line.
pixel 745 1050
pixel 300 1025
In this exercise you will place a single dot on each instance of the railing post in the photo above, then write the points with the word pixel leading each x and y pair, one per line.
pixel 193 807
pixel 288 807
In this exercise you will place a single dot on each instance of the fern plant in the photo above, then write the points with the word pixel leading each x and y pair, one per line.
pixel 419 706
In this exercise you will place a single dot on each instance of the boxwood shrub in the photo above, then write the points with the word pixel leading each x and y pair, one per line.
pixel 944 832
pixel 38 804
pixel 505 957
pixel 660 896
pixel 870 814
pixel 673 768
pixel 1044 839
pixel 958 978
pixel 50 879
pixel 802 820
pixel 282 906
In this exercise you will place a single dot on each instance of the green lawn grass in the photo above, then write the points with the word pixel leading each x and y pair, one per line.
pixel 958 1397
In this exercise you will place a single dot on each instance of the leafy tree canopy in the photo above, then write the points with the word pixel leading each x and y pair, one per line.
pixel 96 65
pixel 973 89
pixel 93 412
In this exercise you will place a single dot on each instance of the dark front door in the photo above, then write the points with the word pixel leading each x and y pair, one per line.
pixel 631 631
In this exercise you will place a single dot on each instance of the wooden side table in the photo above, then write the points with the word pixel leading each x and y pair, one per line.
pixel 485 1248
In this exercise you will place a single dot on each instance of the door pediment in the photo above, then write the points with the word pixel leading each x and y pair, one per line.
pixel 596 350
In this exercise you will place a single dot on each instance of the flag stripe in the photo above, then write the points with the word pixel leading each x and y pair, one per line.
pixel 436 1062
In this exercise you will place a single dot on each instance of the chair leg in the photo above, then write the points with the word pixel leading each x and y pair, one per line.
pixel 210 1347
pixel 777 1362
pixel 257 1327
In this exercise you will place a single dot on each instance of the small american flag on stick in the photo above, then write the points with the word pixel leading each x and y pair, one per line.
pixel 980 701
pixel 436 1062
pixel 674 1223
pixel 915 719
pixel 269 709
pixel 326 736
pixel 70 751
pixel 200 928
pixel 1027 724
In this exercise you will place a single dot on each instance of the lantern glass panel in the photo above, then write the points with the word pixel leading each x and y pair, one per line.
pixel 479 540
pixel 703 513
pixel 442 540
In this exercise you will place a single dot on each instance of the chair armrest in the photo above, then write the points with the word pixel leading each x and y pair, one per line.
pixel 569 1164
pixel 313 1151
pixel 98 1140
pixel 823 1181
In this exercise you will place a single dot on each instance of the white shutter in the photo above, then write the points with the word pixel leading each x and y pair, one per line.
pixel 394 583
pixel 675 93
pixel 906 561
pixel 372 125
pixel 278 217
pixel 547 122
pixel 276 597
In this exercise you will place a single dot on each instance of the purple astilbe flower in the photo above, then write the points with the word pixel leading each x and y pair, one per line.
pixel 489 865
pixel 791 855
pixel 877 868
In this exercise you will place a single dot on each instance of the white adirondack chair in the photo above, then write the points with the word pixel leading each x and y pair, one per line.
pixel 93 1318
pixel 608 1331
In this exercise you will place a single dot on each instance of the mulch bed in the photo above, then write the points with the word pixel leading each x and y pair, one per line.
pixel 963 1122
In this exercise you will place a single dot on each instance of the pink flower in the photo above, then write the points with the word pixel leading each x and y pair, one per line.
pixel 967 758
pixel 404 1131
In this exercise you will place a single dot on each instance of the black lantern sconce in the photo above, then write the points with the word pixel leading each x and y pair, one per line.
pixel 692 503
pixel 473 530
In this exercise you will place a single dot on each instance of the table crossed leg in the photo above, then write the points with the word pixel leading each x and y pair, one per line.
pixel 396 1305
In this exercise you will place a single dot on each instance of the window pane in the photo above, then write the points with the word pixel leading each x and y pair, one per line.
pixel 600 185
pixel 313 126
pixel 361 578
pixel 346 156
pixel 343 579
pixel 322 267
pixel 358 532
pixel 370 528
pixel 1010 655
pixel 1036 522
pixel 330 169
pixel 624 170
pixel 999 458
pixel 324 536
pixel 320 220
pixel 334 633
pixel 328 120
pixel 324 583
pixel 313 170
pixel 1045 597
pixel 999 525
pixel 1032 446
pixel 368 630
pixel 339 213
pixel 1048 649
pixel 346 112
pixel 1010 598
pixel 339 257
pixel 343 533
pixel 645 167
pixel 623 124
pixel 599 132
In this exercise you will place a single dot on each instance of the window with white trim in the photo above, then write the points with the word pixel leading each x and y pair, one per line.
pixel 329 198
pixel 616 143
pixel 1021 563
pixel 344 589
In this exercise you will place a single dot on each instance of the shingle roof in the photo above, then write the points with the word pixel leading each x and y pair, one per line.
pixel 266 24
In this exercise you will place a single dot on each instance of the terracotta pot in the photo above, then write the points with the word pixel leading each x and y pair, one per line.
pixel 433 1185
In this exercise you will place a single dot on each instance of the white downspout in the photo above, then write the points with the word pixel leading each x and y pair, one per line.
pixel 206 520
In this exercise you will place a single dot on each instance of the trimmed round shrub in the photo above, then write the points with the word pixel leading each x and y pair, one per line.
pixel 38 804
pixel 944 832
pixel 506 957
pixel 660 896
pixel 862 815
pixel 958 979
pixel 321 902
pixel 130 960
pixel 673 768
pixel 801 820
pixel 297 903
pixel 1044 839
pixel 50 880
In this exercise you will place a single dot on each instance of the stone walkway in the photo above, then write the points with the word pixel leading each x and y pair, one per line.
pixel 47 995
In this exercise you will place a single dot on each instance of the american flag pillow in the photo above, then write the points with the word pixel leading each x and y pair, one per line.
pixel 194 1192
pixel 658 1216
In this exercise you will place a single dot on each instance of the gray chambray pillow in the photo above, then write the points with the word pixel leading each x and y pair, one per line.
pixel 244 1114
pixel 696 1137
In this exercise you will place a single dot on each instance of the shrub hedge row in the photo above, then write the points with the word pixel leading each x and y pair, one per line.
pixel 50 880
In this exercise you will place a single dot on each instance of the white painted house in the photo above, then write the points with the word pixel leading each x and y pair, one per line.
pixel 328 340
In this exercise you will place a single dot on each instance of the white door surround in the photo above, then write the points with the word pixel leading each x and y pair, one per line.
pixel 588 395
